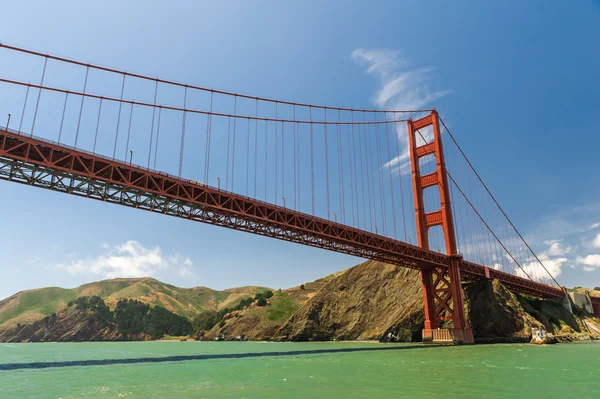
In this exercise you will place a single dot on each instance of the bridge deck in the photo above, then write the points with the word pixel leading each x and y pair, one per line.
pixel 45 164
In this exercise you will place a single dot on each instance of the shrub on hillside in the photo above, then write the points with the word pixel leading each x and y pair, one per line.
pixel 261 302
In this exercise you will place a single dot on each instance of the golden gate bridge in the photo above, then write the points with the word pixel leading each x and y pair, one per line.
pixel 389 185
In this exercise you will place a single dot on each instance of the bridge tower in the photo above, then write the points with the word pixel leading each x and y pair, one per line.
pixel 442 290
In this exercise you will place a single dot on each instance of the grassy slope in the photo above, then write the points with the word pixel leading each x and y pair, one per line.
pixel 256 321
pixel 28 306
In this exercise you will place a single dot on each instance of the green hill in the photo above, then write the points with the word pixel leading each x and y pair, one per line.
pixel 28 306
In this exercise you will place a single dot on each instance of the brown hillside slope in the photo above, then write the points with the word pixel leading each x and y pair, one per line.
pixel 263 322
pixel 377 301
pixel 363 303
pixel 68 325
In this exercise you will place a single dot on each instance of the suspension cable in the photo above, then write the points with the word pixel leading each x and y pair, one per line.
pixel 496 202
pixel 174 83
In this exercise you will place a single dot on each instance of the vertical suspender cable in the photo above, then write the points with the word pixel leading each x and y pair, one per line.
pixel 255 148
pixel 182 148
pixel 97 128
pixel 389 157
pixel 233 145
pixel 276 155
pixel 25 106
pixel 400 177
pixel 62 119
pixel 228 152
pixel 340 169
pixel 327 166
pixel 276 169
pixel 157 136
pixel 266 155
pixel 208 137
pixel 129 134
pixel 119 117
pixel 362 204
pixel 283 162
pixel 299 180
pixel 248 158
pixel 379 166
pixel 152 125
pixel 352 169
pixel 312 162
pixel 295 166
pixel 368 173
pixel 87 70
pixel 37 104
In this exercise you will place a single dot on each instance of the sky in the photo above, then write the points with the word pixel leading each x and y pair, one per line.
pixel 518 82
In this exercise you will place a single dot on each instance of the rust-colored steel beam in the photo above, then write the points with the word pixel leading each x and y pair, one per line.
pixel 40 163
pixel 442 293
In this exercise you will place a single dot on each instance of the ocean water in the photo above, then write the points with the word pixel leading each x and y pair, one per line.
pixel 297 370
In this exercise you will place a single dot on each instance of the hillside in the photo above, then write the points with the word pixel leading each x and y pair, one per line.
pixel 371 301
pixel 29 306
pixel 263 322
pixel 88 318
pixel 378 301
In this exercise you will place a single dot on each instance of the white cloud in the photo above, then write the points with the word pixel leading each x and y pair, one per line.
pixel 400 88
pixel 590 262
pixel 596 242
pixel 556 248
pixel 534 270
pixel 130 259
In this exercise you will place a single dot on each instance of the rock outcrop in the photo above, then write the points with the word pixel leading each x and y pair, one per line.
pixel 69 325
pixel 378 301
pixel 371 301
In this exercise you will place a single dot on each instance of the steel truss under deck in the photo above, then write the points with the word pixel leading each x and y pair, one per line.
pixel 36 162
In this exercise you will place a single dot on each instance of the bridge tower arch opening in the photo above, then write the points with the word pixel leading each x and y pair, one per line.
pixel 442 290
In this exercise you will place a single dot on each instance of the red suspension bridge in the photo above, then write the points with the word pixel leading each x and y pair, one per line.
pixel 389 185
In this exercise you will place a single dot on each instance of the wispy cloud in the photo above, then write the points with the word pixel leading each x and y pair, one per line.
pixel 130 259
pixel 400 87
pixel 592 226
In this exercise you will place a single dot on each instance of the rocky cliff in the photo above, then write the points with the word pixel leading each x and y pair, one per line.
pixel 378 301
pixel 68 325
pixel 371 301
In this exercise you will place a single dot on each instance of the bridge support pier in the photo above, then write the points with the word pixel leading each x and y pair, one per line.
pixel 443 300
pixel 442 290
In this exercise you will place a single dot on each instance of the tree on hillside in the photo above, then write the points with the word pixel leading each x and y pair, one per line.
pixel 261 302
pixel 95 306
pixel 129 316
pixel 159 321
pixel 206 320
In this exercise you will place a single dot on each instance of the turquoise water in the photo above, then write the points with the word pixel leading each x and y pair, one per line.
pixel 282 370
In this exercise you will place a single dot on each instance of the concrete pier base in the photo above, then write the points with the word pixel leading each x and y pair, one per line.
pixel 448 336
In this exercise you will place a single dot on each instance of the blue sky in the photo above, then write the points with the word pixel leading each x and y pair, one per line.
pixel 518 83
